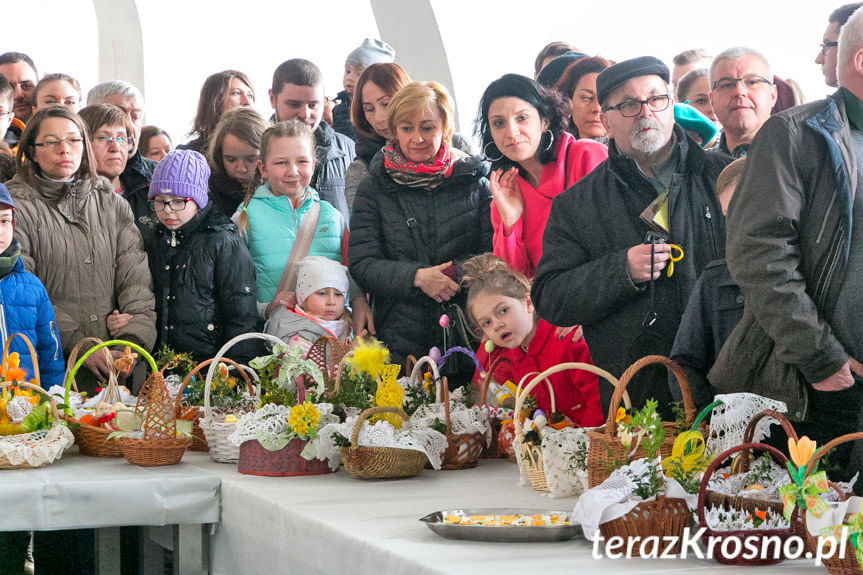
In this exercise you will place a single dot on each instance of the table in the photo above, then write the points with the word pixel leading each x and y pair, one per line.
pixel 79 492
pixel 337 524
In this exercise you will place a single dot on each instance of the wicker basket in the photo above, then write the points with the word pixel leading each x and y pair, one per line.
pixel 199 440
pixel 327 353
pixel 755 535
pixel 39 448
pixel 491 451
pixel 92 440
pixel 847 565
pixel 463 449
pixel 606 450
pixel 662 517
pixel 531 455
pixel 216 430
pixel 380 462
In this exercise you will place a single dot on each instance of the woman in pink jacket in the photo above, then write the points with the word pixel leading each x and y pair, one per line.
pixel 521 125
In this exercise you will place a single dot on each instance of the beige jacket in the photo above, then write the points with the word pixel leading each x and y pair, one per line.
pixel 80 239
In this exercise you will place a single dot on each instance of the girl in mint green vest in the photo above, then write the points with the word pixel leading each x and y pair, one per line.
pixel 270 218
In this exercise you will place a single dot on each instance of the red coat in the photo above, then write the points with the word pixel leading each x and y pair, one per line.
pixel 571 387
pixel 521 248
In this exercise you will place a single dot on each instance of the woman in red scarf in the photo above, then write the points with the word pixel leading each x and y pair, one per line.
pixel 421 212
pixel 533 159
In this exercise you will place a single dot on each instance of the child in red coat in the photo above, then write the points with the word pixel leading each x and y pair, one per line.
pixel 498 301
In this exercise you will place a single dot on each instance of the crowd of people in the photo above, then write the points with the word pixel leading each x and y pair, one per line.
pixel 614 210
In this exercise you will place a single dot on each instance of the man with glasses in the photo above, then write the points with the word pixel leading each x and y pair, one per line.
pixel 795 247
pixel 742 97
pixel 830 44
pixel 607 244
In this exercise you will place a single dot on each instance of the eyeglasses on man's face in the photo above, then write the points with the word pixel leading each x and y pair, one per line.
pixel 750 82
pixel 826 45
pixel 176 205
pixel 54 143
pixel 632 108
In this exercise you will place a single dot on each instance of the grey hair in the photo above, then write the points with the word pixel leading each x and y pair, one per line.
pixel 690 56
pixel 736 53
pixel 101 91
pixel 684 84
pixel 850 37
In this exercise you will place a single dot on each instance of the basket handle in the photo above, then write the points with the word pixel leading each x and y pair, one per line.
pixel 243 373
pixel 523 393
pixel 5 385
pixel 679 374
pixel 73 357
pixel 410 362
pixel 211 372
pixel 749 432
pixel 489 374
pixel 415 372
pixel 34 359
pixel 71 375
pixel 835 442
pixel 714 465
pixel 358 425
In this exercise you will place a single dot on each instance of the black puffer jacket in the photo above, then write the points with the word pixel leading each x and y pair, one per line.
pixel 226 193
pixel 204 286
pixel 136 185
pixel 388 245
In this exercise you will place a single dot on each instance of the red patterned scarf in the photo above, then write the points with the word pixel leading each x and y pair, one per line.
pixel 425 175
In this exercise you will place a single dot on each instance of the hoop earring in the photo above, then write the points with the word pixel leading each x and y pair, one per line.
pixel 551 141
pixel 485 153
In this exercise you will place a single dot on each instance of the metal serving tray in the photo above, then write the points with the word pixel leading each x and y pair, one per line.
pixel 520 534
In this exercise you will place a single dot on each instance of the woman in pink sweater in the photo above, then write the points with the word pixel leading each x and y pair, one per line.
pixel 533 159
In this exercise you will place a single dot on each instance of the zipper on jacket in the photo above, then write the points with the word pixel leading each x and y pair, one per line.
pixel 826 215
pixel 822 286
pixel 53 327
pixel 3 335
pixel 173 239
pixel 709 217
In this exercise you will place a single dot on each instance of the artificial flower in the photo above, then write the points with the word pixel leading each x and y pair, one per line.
pixel 801 450
pixel 688 451
pixel 390 393
pixel 621 415
pixel 369 356
pixel 304 418
pixel 10 370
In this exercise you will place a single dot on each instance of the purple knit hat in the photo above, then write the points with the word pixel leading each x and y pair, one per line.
pixel 183 173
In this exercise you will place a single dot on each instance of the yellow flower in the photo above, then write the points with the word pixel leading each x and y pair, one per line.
pixel 304 419
pixel 621 416
pixel 390 393
pixel 802 450
pixel 369 356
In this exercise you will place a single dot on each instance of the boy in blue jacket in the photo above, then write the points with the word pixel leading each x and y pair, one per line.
pixel 24 305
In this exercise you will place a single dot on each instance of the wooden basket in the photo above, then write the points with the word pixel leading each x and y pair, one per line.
pixel 530 456
pixel 92 440
pixel 199 439
pixel 463 449
pixel 847 565
pixel 380 462
pixel 662 517
pixel 605 448
pixel 757 535
pixel 216 430
pixel 58 437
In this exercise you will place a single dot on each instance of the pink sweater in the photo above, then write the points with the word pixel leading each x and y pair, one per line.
pixel 521 246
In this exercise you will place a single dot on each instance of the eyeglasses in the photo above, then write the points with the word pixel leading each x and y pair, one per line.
pixel 751 82
pixel 632 108
pixel 825 45
pixel 104 140
pixel 54 144
pixel 176 205
pixel 4 114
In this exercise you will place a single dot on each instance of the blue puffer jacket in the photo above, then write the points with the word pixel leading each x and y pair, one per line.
pixel 26 309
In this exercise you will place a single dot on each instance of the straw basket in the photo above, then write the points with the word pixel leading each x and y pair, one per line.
pixel 662 517
pixel 39 448
pixel 199 440
pixel 531 455
pixel 216 430
pixel 380 462
pixel 606 451
pixel 463 449
pixel 836 565
pixel 756 536
pixel 92 440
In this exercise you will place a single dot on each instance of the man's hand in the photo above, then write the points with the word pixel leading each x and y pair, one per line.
pixel 436 284
pixel 842 379
pixel 282 299
pixel 638 261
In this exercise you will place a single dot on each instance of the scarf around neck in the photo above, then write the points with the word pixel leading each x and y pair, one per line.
pixel 425 175
pixel 9 257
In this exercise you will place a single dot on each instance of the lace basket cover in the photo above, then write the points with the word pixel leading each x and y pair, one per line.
pixel 728 421
pixel 36 449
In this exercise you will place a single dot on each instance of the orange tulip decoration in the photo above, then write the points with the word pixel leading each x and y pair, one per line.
pixel 10 369
pixel 804 491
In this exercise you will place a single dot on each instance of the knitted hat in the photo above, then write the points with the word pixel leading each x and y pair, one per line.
pixel 183 173
pixel 318 272
pixel 615 76
pixel 371 52
pixel 5 197
pixel 691 119
pixel 552 71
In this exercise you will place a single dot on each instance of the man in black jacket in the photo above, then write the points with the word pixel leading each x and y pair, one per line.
pixel 607 242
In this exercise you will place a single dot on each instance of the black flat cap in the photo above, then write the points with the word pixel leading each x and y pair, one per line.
pixel 552 72
pixel 615 76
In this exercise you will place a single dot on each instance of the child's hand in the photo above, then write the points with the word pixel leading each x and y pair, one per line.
pixel 117 321
pixel 282 299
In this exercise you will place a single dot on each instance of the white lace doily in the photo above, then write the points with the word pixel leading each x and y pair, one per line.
pixel 383 434
pixel 728 421
pixel 272 420
pixel 38 448
pixel 463 419
pixel 564 456
pixel 721 519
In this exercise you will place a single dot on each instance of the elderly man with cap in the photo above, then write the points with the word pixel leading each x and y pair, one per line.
pixel 623 247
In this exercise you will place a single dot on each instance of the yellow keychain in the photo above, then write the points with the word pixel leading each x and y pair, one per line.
pixel 674 258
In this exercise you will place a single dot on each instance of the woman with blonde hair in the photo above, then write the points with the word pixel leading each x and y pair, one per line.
pixel 422 211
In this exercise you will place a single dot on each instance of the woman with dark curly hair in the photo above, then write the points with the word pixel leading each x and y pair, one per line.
pixel 522 130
